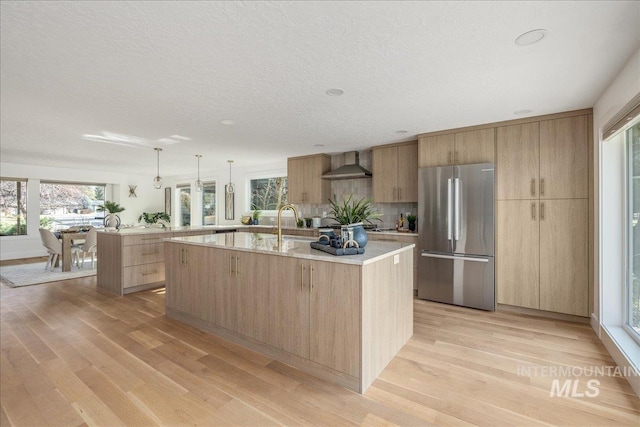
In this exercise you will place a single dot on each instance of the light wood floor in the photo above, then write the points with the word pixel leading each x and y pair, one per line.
pixel 72 356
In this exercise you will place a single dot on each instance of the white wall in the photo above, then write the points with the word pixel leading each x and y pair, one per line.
pixel 607 318
pixel 149 199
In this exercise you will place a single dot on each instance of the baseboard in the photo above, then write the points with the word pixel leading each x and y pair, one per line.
pixel 542 313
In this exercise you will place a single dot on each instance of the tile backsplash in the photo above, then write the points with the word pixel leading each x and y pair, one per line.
pixel 360 188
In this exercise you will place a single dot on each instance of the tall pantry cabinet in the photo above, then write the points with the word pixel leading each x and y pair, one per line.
pixel 542 242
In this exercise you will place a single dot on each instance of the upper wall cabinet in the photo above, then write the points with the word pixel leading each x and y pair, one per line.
pixel 304 176
pixel 543 160
pixel 395 173
pixel 459 148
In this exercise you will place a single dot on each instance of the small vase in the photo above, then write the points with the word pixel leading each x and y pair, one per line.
pixel 112 221
pixel 412 226
pixel 359 234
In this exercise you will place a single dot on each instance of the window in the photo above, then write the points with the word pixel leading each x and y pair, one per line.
pixel 209 203
pixel 268 193
pixel 13 206
pixel 184 196
pixel 632 137
pixel 63 204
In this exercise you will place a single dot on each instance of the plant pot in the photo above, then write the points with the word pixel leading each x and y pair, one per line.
pixel 112 221
pixel 412 226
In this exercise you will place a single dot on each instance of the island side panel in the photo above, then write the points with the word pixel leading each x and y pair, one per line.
pixel 334 316
pixel 109 274
pixel 387 312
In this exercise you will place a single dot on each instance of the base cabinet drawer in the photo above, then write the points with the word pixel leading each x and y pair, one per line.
pixel 145 239
pixel 142 274
pixel 142 254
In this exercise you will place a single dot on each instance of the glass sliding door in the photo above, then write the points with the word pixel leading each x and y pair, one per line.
pixel 209 203
pixel 184 200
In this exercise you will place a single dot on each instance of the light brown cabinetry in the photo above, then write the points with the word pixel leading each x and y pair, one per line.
pixel 543 160
pixel 457 148
pixel 334 316
pixel 342 322
pixel 193 291
pixel 518 253
pixel 395 173
pixel 304 179
pixel 400 238
pixel 542 255
pixel 542 215
pixel 564 256
pixel 132 261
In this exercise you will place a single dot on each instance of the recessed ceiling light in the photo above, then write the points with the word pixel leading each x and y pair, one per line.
pixel 521 112
pixel 227 122
pixel 402 131
pixel 334 92
pixel 531 37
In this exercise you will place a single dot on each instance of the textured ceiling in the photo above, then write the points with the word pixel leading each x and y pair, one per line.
pixel 156 73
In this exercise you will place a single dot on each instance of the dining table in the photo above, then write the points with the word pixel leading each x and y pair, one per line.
pixel 67 237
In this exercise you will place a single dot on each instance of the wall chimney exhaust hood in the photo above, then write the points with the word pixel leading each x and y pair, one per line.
pixel 350 170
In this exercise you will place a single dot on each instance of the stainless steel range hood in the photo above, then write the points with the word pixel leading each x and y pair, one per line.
pixel 351 169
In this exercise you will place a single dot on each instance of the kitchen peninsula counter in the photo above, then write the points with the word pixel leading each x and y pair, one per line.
pixel 340 318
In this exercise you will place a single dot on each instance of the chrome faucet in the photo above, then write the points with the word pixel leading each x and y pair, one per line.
pixel 283 208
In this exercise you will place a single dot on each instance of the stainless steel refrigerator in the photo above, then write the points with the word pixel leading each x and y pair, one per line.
pixel 456 229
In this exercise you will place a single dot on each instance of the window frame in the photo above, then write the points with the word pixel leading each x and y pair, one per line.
pixel 18 199
pixel 265 175
pixel 627 297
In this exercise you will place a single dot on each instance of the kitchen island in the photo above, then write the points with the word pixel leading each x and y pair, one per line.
pixel 340 318
pixel 132 259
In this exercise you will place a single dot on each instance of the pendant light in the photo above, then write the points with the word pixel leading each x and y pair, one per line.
pixel 157 181
pixel 230 188
pixel 199 184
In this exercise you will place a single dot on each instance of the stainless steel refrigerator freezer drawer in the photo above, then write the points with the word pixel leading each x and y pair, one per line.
pixel 467 281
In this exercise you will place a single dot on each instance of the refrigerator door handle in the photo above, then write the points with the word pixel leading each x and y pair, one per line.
pixel 449 210
pixel 457 200
pixel 461 258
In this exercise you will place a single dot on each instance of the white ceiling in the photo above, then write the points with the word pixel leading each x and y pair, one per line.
pixel 148 71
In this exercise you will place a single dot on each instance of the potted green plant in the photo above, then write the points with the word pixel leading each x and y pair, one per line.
pixel 256 216
pixel 153 218
pixel 354 213
pixel 111 220
pixel 411 219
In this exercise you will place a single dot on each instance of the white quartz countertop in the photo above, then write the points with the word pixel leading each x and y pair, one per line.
pixel 293 246
pixel 160 230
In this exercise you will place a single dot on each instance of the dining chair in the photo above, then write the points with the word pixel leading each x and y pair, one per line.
pixel 53 245
pixel 90 246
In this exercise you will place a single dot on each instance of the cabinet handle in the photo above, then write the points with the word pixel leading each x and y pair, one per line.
pixel 150 253
pixel 449 158
pixel 230 265
pixel 533 186
pixel 399 193
pixel 237 265
pixel 542 187
pixel 455 157
pixel 395 193
pixel 302 277
pixel 533 211
pixel 311 278
pixel 149 274
pixel 541 211
pixel 149 238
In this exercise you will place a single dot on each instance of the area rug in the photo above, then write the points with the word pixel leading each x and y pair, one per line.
pixel 34 274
